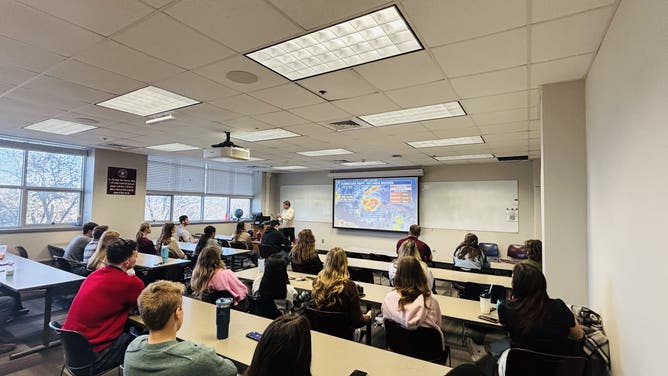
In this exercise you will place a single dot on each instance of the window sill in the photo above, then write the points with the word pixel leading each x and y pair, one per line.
pixel 40 229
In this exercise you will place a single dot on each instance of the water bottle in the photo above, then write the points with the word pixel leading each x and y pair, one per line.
pixel 223 306
pixel 164 253
pixel 9 270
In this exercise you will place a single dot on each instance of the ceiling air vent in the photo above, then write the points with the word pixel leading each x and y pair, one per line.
pixel 116 146
pixel 513 158
pixel 346 125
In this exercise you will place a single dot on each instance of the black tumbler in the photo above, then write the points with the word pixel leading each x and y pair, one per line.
pixel 223 306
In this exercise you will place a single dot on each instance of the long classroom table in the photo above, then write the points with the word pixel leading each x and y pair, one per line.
pixel 331 356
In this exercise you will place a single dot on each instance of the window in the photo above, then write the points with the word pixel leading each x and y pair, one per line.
pixel 40 186
pixel 204 191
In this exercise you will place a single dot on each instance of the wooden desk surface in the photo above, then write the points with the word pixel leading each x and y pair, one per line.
pixel 29 274
pixel 455 308
pixel 331 356
pixel 224 237
pixel 147 261
pixel 226 251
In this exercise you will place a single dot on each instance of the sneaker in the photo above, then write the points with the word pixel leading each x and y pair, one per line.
pixel 477 351
pixel 7 347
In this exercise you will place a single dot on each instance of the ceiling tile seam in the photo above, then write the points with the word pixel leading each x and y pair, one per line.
pixel 482 36
pixel 564 16
pixel 562 58
pixel 58 18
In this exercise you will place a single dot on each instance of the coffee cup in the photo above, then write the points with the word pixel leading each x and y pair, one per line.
pixel 485 303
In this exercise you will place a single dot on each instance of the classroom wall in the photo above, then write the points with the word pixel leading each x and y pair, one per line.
pixel 627 108
pixel 442 240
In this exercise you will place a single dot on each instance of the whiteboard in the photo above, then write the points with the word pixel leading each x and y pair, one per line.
pixel 468 205
pixel 312 203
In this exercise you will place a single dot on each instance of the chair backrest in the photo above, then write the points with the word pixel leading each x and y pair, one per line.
pixel 263 307
pixel 211 297
pixel 332 323
pixel 361 275
pixel 22 251
pixel 521 362
pixel 238 245
pixel 267 250
pixel 55 251
pixel 223 243
pixel 422 343
pixel 63 264
pixel 308 268
pixel 79 356
pixel 471 291
pixel 517 251
pixel 490 249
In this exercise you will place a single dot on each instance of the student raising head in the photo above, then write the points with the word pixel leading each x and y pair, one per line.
pixel 210 274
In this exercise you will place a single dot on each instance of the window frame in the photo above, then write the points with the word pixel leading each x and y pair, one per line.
pixel 202 196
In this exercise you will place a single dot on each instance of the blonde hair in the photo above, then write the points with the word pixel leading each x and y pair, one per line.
pixel 331 280
pixel 305 248
pixel 140 234
pixel 208 263
pixel 99 257
pixel 410 281
pixel 409 248
pixel 158 302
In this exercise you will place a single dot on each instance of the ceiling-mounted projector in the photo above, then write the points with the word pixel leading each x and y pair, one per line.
pixel 227 149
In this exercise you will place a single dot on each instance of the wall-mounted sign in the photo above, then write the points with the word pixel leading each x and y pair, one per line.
pixel 121 181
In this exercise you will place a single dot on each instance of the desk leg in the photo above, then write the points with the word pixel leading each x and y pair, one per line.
pixel 46 331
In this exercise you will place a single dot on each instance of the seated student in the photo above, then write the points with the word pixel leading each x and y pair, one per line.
pixel 274 284
pixel 75 249
pixel 182 234
pixel 276 240
pixel 206 240
pixel 304 257
pixel 242 236
pixel 101 307
pixel 468 254
pixel 534 251
pixel 413 234
pixel 91 247
pixel 284 349
pixel 410 304
pixel 210 274
pixel 409 248
pixel 159 353
pixel 144 244
pixel 536 322
pixel 167 238
pixel 334 291
pixel 7 308
pixel 99 258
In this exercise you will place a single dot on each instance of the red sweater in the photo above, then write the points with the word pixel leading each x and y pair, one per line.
pixel 100 308
pixel 423 248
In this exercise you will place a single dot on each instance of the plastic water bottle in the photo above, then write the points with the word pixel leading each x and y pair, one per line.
pixel 164 253
pixel 9 270
pixel 223 306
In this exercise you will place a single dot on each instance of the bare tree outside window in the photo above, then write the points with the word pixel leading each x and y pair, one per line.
pixel 157 208
pixel 10 207
pixel 187 205
pixel 240 203
pixel 215 208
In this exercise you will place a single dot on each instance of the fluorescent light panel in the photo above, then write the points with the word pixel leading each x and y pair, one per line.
pixel 447 142
pixel 269 134
pixel 319 153
pixel 436 111
pixel 59 127
pixel 289 167
pixel 159 119
pixel 147 101
pixel 464 157
pixel 375 36
pixel 173 147
pixel 365 163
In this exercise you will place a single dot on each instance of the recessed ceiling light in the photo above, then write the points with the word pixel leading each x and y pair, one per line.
pixel 231 160
pixel 447 142
pixel 269 134
pixel 147 101
pixel 319 153
pixel 464 157
pixel 58 126
pixel 436 111
pixel 173 147
pixel 372 37
pixel 364 163
pixel 289 167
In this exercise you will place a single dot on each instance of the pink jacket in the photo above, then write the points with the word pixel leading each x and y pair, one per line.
pixel 420 313
pixel 225 279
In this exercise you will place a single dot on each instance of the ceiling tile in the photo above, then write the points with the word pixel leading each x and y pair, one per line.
pixel 401 71
pixel 245 124
pixel 504 128
pixel 218 71
pixel 346 83
pixel 309 129
pixel 33 27
pixel 578 34
pixel 287 96
pixel 473 56
pixel 123 60
pixel 196 87
pixel 314 14
pixel 99 113
pixel 157 3
pixel 208 112
pixel 568 69
pixel 66 90
pixel 422 95
pixel 280 119
pixel 241 25
pixel 18 54
pixel 87 75
pixel 507 116
pixel 367 104
pixel 14 75
pixel 43 102
pixel 439 22
pixel 542 10
pixel 244 104
pixel 493 103
pixel 101 16
pixel 484 84
pixel 171 41
pixel 321 112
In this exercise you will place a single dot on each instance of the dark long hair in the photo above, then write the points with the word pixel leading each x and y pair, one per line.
pixel 165 235
pixel 284 349
pixel 529 296
pixel 410 281
pixel 209 233
pixel 534 250
pixel 274 279
pixel 241 227
pixel 469 247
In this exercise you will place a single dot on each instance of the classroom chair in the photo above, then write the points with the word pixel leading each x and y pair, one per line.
pixel 77 351
pixel 238 245
pixel 490 249
pixel 263 307
pixel 332 323
pixel 422 343
pixel 55 251
pixel 22 251
pixel 517 251
pixel 521 362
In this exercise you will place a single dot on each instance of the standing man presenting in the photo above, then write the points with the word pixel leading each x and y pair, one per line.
pixel 287 218
pixel 413 234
